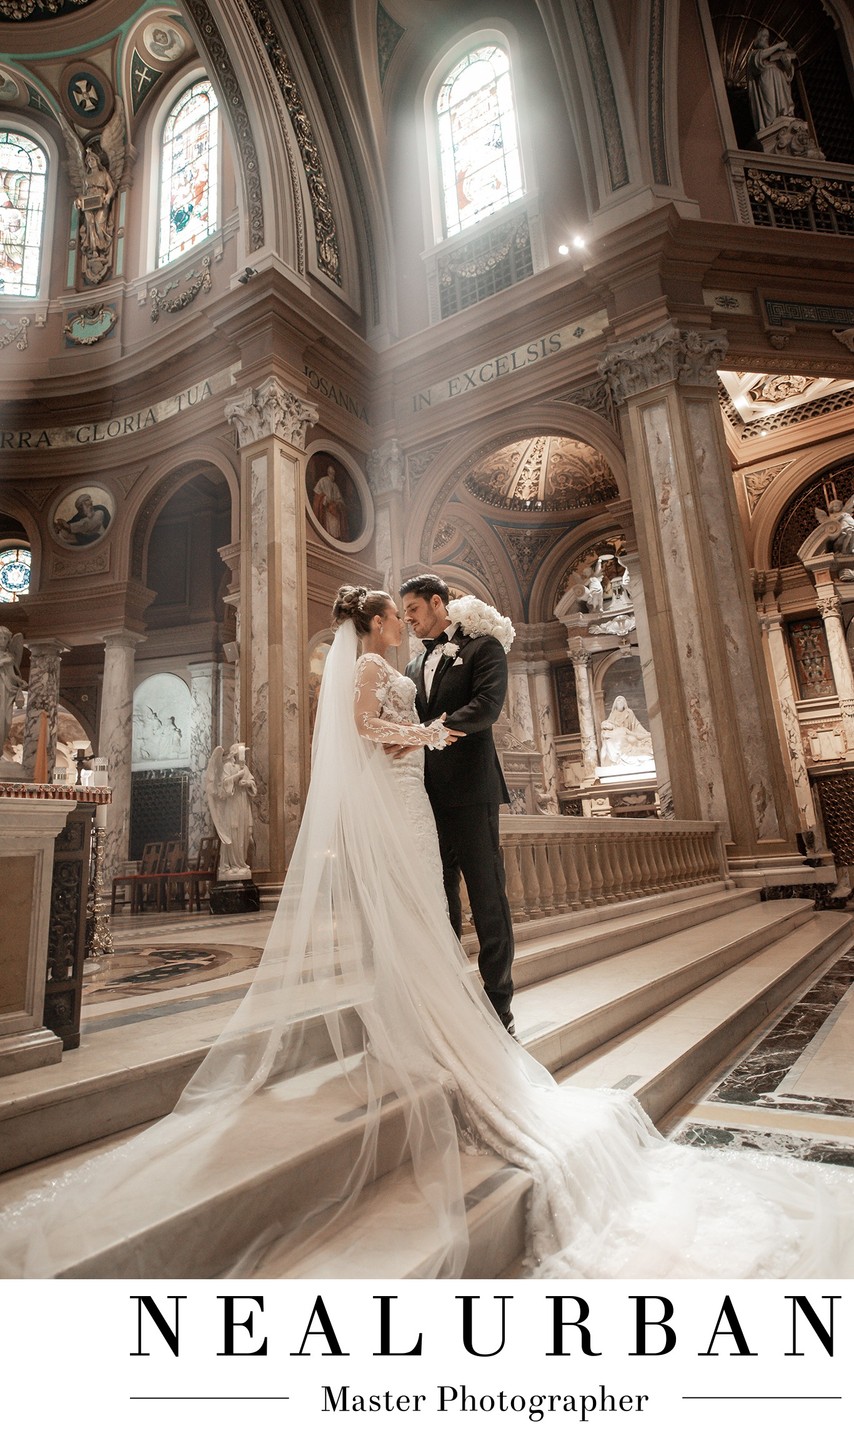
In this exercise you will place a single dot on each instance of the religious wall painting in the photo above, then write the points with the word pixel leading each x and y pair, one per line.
pixel 338 499
pixel 161 723
pixel 86 95
pixel 808 644
pixel 82 516
pixel 567 698
pixel 164 41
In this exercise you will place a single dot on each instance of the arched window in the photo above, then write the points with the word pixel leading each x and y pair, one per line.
pixel 15 564
pixel 23 175
pixel 189 192
pixel 481 166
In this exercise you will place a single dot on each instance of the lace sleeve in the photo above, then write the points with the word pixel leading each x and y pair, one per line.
pixel 372 681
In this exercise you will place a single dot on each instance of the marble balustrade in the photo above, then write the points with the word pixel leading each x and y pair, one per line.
pixel 561 864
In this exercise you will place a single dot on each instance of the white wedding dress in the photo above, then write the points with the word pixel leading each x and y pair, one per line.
pixel 361 945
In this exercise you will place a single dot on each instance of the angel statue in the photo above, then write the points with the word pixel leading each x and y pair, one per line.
pixel 96 172
pixel 229 785
pixel 12 684
pixel 838 524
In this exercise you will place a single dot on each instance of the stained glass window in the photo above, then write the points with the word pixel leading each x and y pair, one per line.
pixel 189 202
pixel 23 173
pixel 478 140
pixel 14 573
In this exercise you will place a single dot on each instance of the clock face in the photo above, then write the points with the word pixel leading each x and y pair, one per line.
pixel 14 573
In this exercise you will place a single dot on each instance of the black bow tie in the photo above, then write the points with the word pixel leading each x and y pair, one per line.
pixel 431 642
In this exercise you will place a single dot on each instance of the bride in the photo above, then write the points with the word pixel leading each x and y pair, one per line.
pixel 364 991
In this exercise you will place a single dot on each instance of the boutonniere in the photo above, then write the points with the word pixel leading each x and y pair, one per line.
pixel 451 649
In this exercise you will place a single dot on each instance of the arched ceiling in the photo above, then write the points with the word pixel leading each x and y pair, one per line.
pixel 548 474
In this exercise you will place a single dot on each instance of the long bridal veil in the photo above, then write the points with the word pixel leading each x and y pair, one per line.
pixel 365 1046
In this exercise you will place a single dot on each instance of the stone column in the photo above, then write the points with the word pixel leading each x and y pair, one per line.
pixel 42 696
pixel 519 705
pixel 387 480
pixel 778 661
pixel 271 422
pixel 547 802
pixel 717 718
pixel 840 658
pixel 229 724
pixel 115 743
pixel 581 667
pixel 204 736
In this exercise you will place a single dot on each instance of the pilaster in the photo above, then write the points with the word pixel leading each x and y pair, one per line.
pixel 115 742
pixel 717 720
pixel 271 423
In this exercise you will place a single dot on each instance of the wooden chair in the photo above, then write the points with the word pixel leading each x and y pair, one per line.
pixel 191 878
pixel 143 884
pixel 172 870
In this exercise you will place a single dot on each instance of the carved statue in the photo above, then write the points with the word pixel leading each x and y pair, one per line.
pixel 770 71
pixel 229 785
pixel 595 588
pixel 838 523
pixel 96 172
pixel 625 741
pixel 12 685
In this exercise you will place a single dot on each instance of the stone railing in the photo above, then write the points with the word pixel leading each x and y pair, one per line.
pixel 561 864
pixel 785 192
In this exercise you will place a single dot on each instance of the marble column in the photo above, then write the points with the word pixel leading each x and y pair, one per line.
pixel 544 704
pixel 115 743
pixel 840 659
pixel 778 660
pixel 519 705
pixel 717 718
pixel 386 478
pixel 271 424
pixel 204 736
pixel 581 667
pixel 631 561
pixel 42 696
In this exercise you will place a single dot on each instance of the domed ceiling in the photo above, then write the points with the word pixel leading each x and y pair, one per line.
pixel 548 474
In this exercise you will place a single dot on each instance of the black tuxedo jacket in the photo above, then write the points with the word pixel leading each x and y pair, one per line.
pixel 469 687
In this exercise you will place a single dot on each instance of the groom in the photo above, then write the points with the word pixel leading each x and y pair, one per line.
pixel 464 781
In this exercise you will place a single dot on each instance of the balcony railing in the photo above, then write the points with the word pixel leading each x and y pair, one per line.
pixel 562 864
pixel 800 194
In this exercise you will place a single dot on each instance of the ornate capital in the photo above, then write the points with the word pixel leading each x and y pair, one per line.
pixel 579 656
pixel 385 469
pixel 829 606
pixel 668 355
pixel 270 411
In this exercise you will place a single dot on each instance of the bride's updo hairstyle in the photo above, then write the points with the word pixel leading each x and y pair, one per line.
pixel 358 606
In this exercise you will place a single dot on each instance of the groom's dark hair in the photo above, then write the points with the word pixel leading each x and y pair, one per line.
pixel 427 585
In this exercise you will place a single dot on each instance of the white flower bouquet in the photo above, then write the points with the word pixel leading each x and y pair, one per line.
pixel 477 619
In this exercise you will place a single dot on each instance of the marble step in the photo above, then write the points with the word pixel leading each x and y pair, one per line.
pixel 543 954
pixel 663 1058
pixel 124 1078
pixel 562 1019
pixel 659 1061
pixel 200 1238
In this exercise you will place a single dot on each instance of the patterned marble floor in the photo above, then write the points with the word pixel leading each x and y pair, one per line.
pixel 792 1093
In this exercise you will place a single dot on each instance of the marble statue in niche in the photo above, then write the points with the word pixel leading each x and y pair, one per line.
pixel 229 788
pixel 96 171
pixel 770 72
pixel 625 742
pixel 12 685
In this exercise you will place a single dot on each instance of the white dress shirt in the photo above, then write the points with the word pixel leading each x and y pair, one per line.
pixel 432 660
